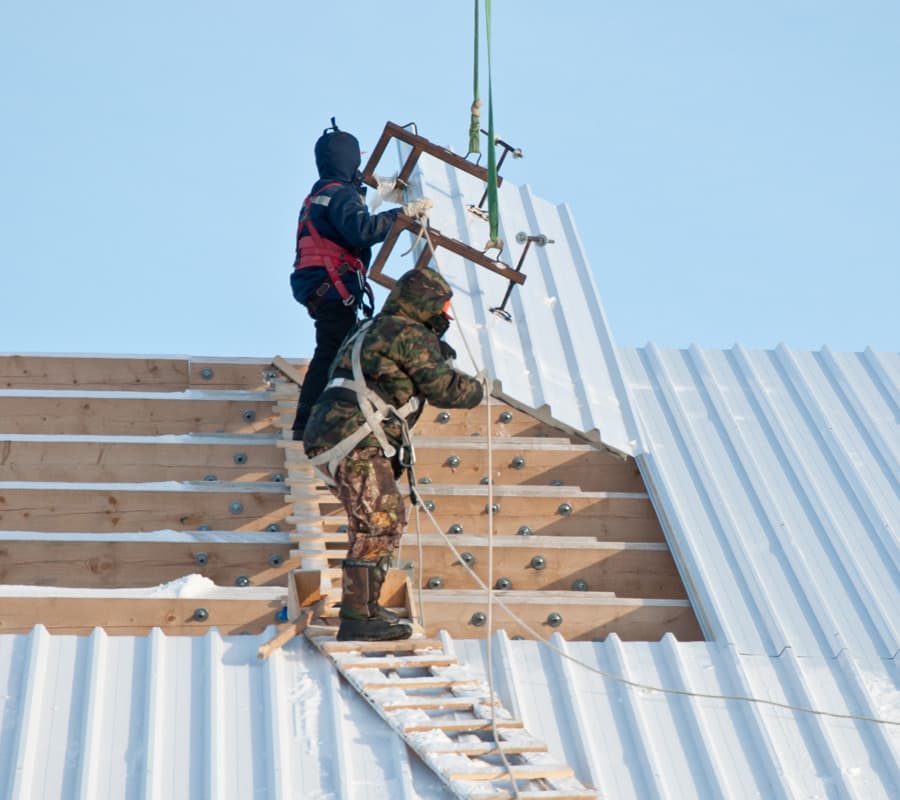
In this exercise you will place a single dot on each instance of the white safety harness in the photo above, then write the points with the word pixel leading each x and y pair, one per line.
pixel 374 410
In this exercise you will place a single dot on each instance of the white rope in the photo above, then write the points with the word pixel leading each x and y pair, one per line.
pixel 423 231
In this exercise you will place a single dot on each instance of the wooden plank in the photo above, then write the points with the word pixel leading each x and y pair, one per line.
pixel 524 772
pixel 93 372
pixel 590 469
pixel 85 460
pixel 584 617
pixel 293 372
pixel 137 616
pixel 138 416
pixel 403 645
pixel 112 564
pixel 487 748
pixel 238 373
pixel 461 725
pixel 628 570
pixel 112 509
pixel 473 422
pixel 612 519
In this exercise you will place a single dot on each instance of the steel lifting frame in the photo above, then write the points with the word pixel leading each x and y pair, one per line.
pixel 419 145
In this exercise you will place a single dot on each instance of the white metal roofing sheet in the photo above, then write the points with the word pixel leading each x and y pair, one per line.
pixel 556 355
pixel 776 476
pixel 109 717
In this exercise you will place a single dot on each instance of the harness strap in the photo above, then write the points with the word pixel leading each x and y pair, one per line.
pixel 314 250
pixel 374 410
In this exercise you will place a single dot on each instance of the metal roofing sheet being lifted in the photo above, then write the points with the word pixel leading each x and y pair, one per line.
pixel 556 355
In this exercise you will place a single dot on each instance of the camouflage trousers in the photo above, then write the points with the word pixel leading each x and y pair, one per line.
pixel 376 513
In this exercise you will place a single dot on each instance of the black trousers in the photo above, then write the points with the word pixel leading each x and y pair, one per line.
pixel 333 322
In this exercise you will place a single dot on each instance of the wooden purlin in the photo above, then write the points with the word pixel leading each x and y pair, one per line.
pixel 447 717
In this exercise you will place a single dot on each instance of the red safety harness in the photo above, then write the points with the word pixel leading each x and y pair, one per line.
pixel 315 251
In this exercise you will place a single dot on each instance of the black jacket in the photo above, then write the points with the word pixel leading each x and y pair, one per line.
pixel 346 219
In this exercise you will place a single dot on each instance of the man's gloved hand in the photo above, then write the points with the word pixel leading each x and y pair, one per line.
pixel 446 351
pixel 417 208
pixel 388 190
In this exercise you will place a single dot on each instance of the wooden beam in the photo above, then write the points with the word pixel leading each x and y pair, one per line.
pixel 139 461
pixel 616 517
pixel 124 615
pixel 138 416
pixel 105 562
pixel 585 616
pixel 546 563
pixel 93 372
pixel 120 508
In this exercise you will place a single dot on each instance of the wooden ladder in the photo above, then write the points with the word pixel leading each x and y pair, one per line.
pixel 445 714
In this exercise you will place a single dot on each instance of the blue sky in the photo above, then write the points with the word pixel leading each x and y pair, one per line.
pixel 733 168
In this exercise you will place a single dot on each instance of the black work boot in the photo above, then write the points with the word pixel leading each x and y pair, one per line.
pixel 381 570
pixel 360 620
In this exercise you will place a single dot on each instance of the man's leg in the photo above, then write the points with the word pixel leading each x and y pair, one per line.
pixel 333 322
pixel 377 516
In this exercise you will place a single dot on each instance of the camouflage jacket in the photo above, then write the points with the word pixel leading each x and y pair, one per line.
pixel 400 357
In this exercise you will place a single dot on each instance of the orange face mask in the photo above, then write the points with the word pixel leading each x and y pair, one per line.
pixel 446 310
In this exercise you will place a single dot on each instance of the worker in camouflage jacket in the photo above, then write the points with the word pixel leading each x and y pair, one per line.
pixel 402 356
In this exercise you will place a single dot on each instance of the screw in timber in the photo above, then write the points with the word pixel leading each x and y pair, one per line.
pixel 201 559
pixel 273 527
pixel 564 510
pixel 276 560
pixel 493 508
pixel 524 530
pixel 538 562
pixel 467 558
pixel 505 416
pixel 429 504
pixel 455 528
pixel 503 583
pixel 443 418
pixel 240 458
pixel 249 415
pixel 478 619
pixel 453 462
pixel 242 580
pixel 435 583
pixel 579 586
pixel 207 373
pixel 236 507
pixel 201 615
pixel 518 462
pixel 554 620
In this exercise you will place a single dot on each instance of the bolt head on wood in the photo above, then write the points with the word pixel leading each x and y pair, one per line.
pixel 435 582
pixel 455 528
pixel 538 562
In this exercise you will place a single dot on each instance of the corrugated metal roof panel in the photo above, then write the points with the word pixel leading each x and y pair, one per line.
pixel 186 717
pixel 557 351
pixel 776 475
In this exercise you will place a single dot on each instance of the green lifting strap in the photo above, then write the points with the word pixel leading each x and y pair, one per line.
pixel 475 120
pixel 493 215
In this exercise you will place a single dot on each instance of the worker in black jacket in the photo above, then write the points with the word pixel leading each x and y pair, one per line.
pixel 335 234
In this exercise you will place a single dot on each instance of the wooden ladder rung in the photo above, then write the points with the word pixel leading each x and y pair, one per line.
pixel 549 794
pixel 461 725
pixel 521 772
pixel 436 703
pixel 418 683
pixel 413 645
pixel 489 749
pixel 399 662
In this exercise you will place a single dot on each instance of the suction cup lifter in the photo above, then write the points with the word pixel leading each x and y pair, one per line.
pixel 522 238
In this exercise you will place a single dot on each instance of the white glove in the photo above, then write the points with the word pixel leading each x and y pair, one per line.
pixel 417 208
pixel 388 189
